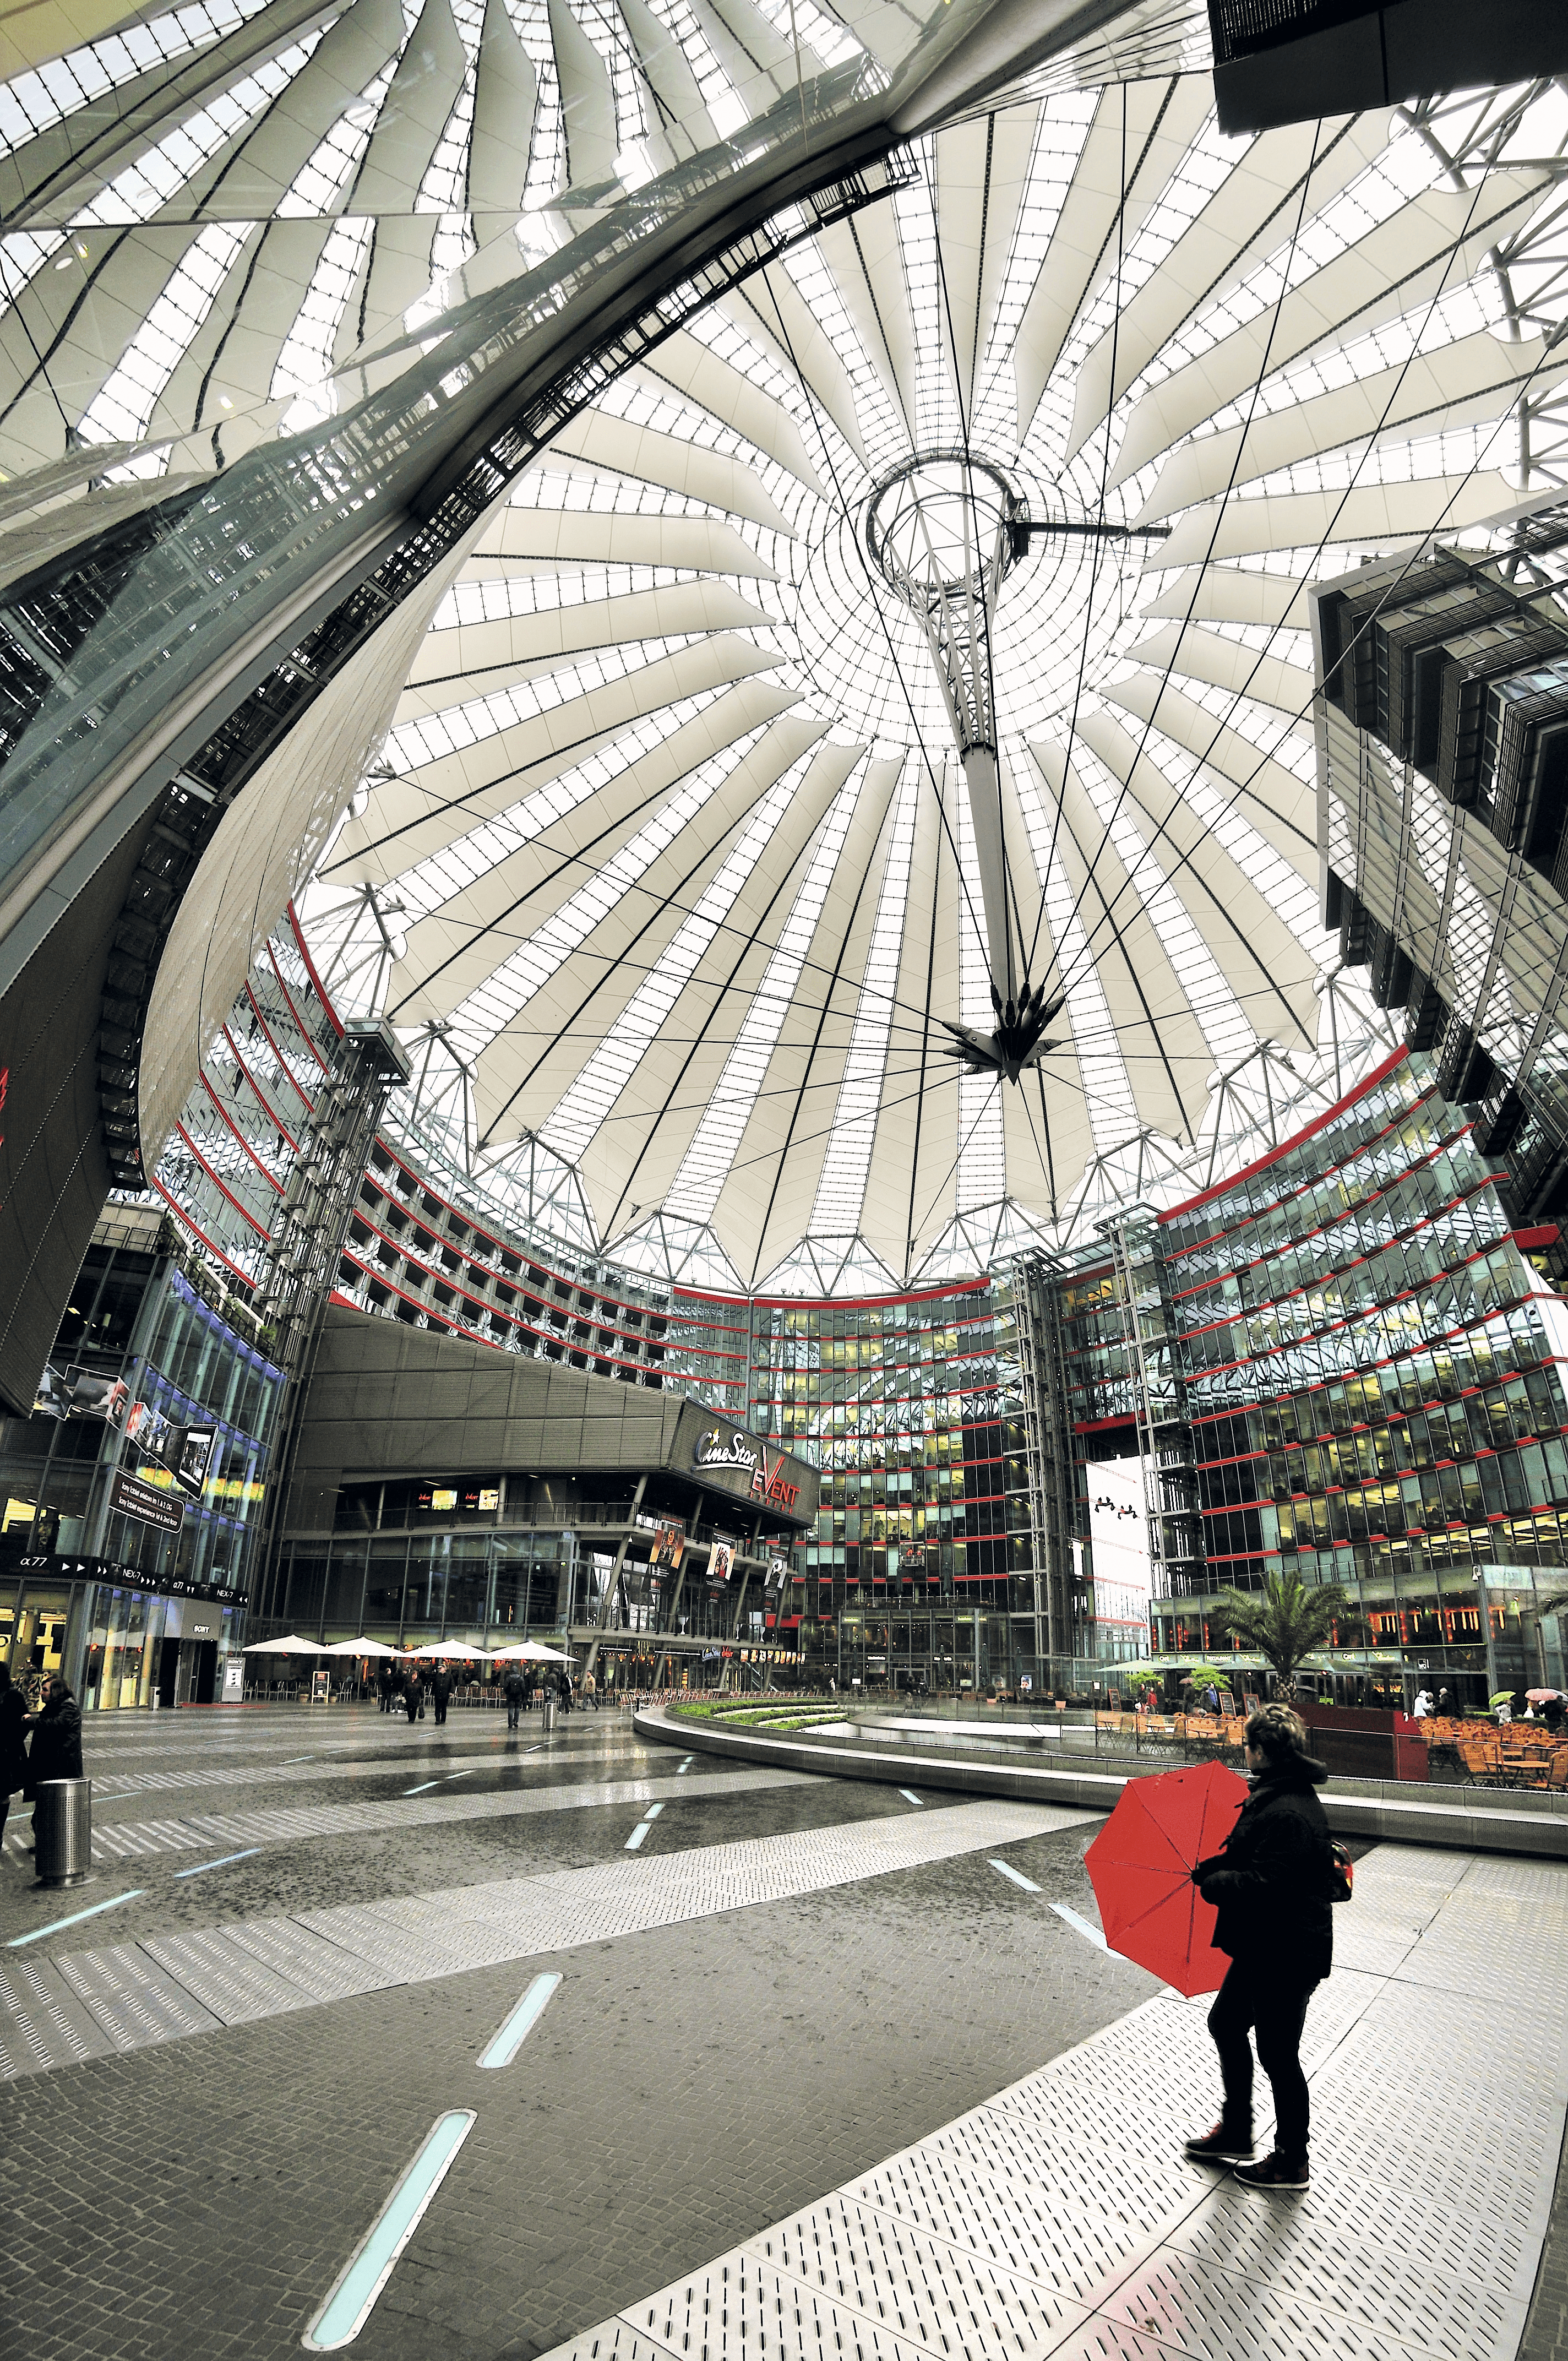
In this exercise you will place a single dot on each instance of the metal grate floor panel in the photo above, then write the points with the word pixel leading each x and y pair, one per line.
pixel 284 1824
pixel 1049 2223
pixel 171 1985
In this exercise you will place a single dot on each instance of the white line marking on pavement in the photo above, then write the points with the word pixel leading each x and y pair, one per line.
pixel 466 1774
pixel 638 1833
pixel 1017 1876
pixel 653 1811
pixel 76 1919
pixel 686 1765
pixel 368 2269
pixel 420 1790
pixel 910 1798
pixel 522 2021
pixel 1082 1925
pixel 249 1854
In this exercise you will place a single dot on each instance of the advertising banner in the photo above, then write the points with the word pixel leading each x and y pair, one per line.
pixel 669 1543
pixel 146 1504
pixel 187 1452
pixel 721 1561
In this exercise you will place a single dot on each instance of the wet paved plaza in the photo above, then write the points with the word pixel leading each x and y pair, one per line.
pixel 772 2065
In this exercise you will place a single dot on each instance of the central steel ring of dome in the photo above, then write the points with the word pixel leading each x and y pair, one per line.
pixel 945 526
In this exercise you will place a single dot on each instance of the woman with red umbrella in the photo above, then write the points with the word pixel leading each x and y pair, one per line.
pixel 1270 1884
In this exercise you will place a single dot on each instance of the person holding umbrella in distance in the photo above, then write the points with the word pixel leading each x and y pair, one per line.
pixel 1272 1884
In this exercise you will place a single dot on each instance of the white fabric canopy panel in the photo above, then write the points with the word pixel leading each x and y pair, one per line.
pixel 1214 369
pixel 667 838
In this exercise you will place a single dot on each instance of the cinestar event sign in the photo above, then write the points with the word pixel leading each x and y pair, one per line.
pixel 720 1446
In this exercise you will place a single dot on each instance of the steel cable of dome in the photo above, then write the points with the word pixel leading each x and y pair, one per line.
pixel 562 860
pixel 1244 785
pixel 753 993
pixel 1099 538
pixel 622 960
pixel 14 304
pixel 1126 787
pixel 984 1109
pixel 1230 803
pixel 845 938
pixel 876 602
pixel 1044 873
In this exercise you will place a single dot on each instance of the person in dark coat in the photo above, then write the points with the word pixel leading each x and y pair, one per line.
pixel 385 1680
pixel 56 1749
pixel 413 1695
pixel 441 1690
pixel 514 1688
pixel 13 1745
pixel 1270 1884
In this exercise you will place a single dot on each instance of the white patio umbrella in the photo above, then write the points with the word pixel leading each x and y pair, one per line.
pixel 361 1647
pixel 530 1651
pixel 450 1648
pixel 289 1645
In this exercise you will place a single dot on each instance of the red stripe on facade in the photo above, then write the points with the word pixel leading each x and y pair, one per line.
pixel 178 1210
pixel 332 1014
pixel 243 1211
pixel 270 1110
pixel 304 1029
pixel 288 1072
pixel 232 1125
pixel 1298 1139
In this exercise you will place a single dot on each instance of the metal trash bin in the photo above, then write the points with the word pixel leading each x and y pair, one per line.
pixel 62 1831
pixel 549 1712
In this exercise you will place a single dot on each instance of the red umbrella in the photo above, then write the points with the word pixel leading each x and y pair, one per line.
pixel 1140 1865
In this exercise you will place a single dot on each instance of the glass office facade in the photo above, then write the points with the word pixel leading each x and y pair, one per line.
pixel 928 1566
pixel 111 1570
pixel 1369 1363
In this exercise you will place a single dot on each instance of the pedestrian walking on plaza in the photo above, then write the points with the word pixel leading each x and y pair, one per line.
pixel 13 1745
pixel 530 1681
pixel 440 1690
pixel 514 1688
pixel 564 1689
pixel 590 1691
pixel 1271 1884
pixel 413 1695
pixel 386 1680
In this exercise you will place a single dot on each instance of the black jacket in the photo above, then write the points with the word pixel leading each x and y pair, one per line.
pixel 56 1750
pixel 441 1686
pixel 514 1686
pixel 1269 1881
pixel 12 1742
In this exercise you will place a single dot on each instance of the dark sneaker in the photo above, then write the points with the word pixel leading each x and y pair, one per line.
pixel 1274 2172
pixel 1220 2146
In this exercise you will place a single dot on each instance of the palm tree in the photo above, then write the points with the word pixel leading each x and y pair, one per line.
pixel 1285 1624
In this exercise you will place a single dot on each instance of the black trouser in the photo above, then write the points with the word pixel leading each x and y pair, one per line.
pixel 514 1712
pixel 440 1711
pixel 1259 1998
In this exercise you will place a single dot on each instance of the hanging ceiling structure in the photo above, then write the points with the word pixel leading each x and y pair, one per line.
pixel 673 870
